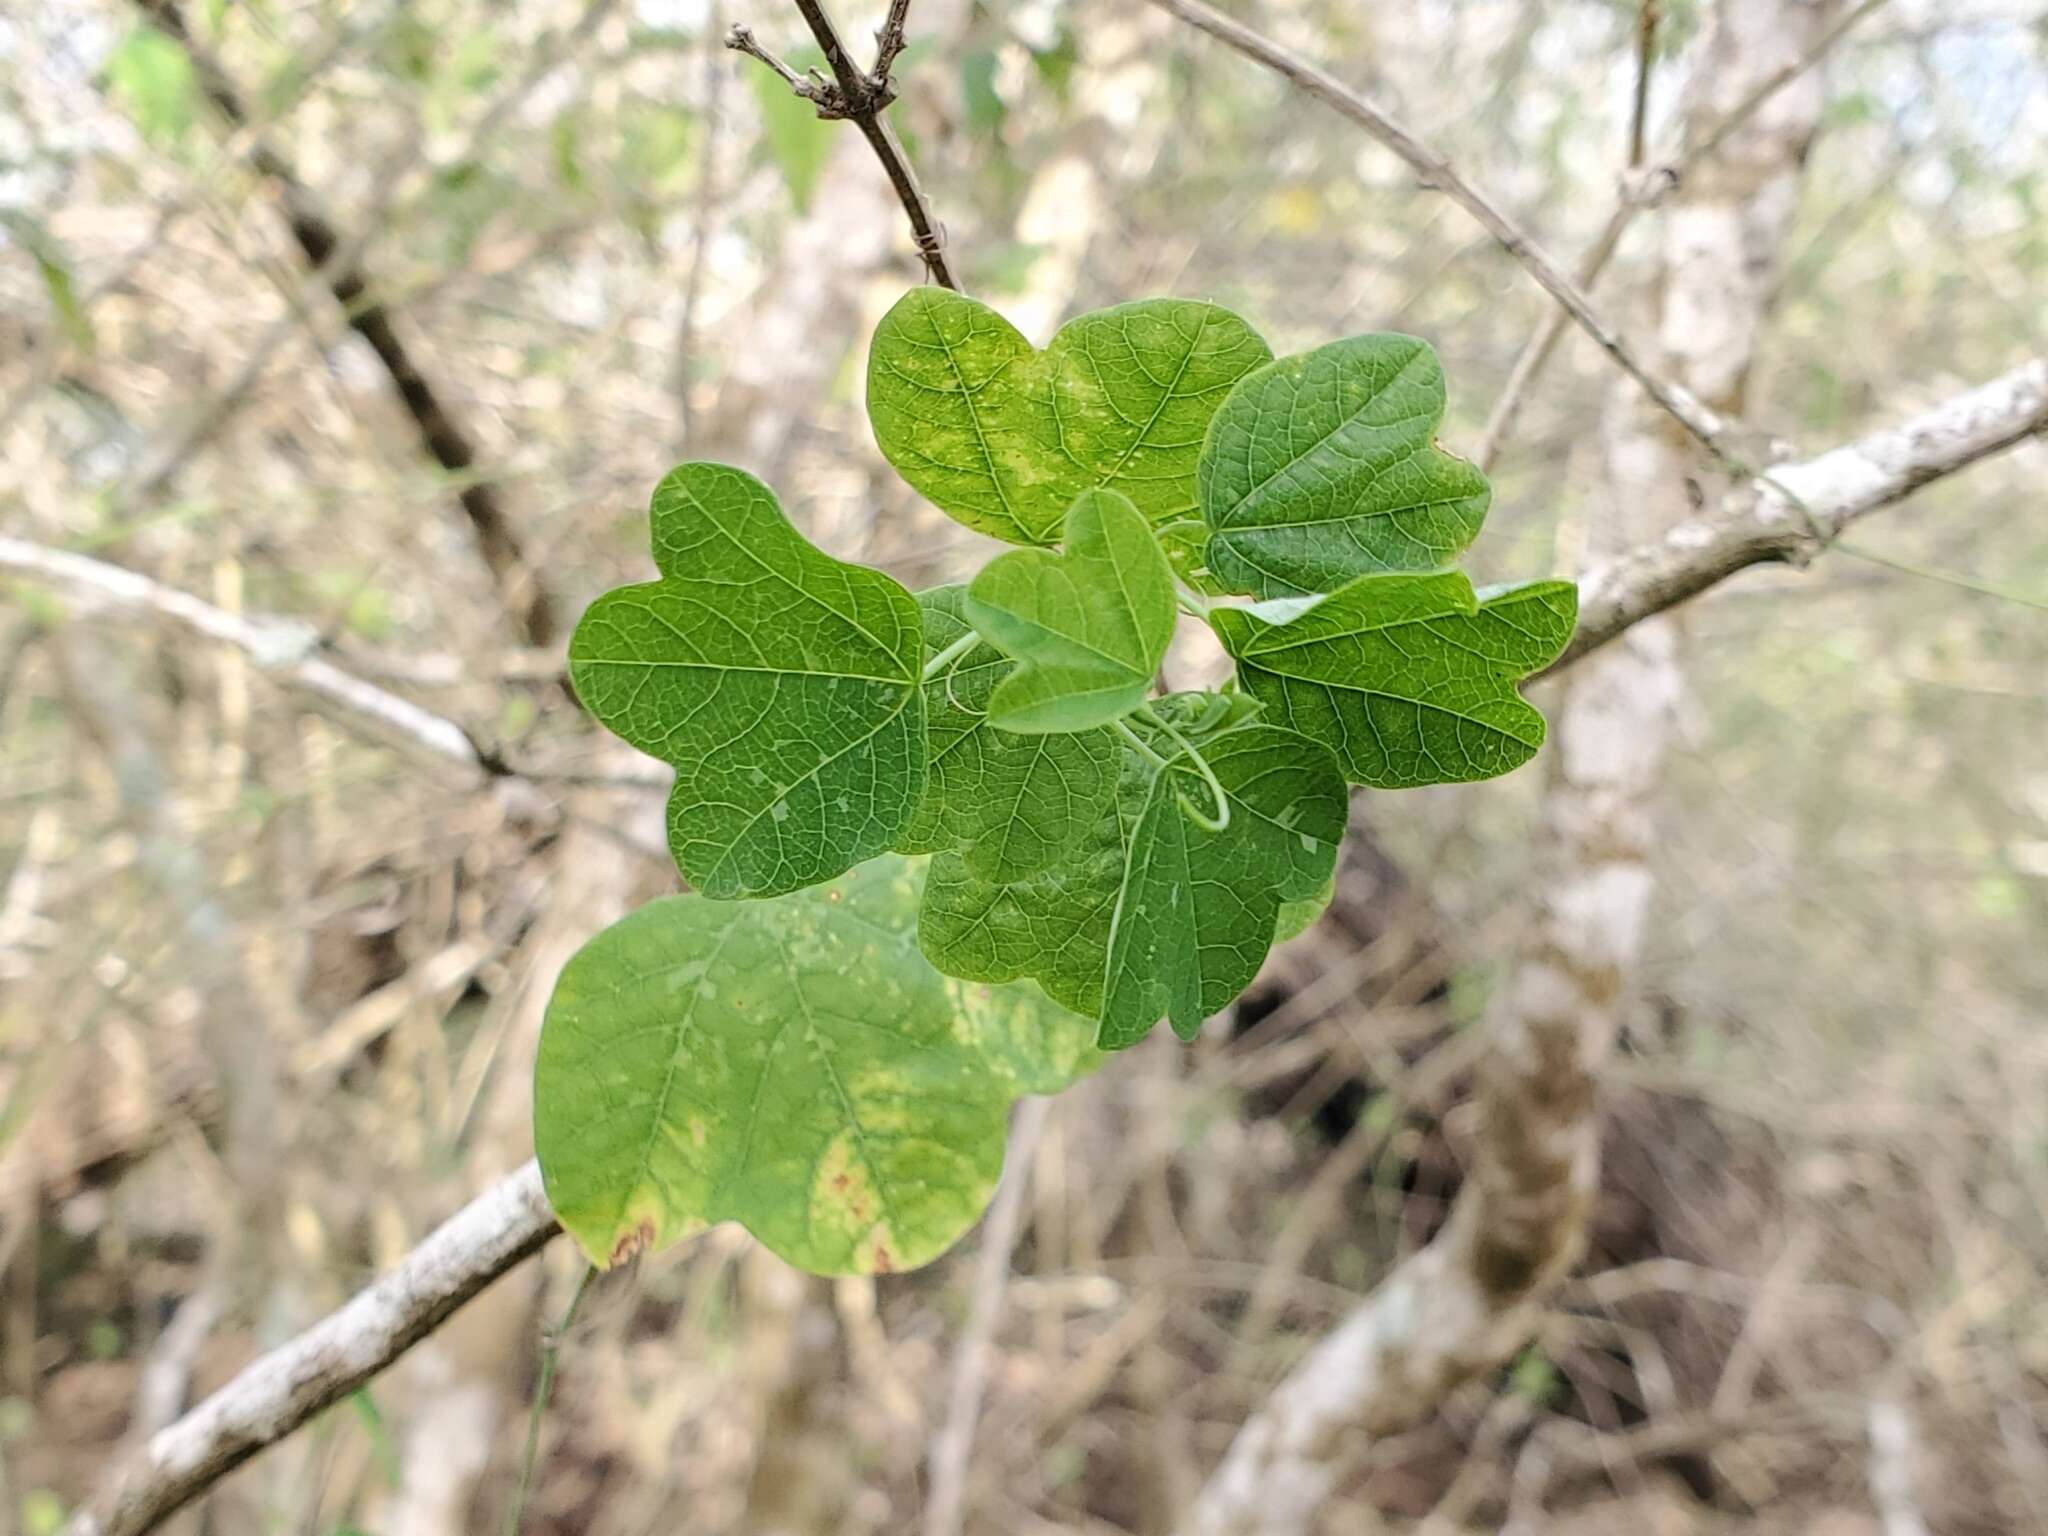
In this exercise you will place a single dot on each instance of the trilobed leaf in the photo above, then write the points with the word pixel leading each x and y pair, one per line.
pixel 1010 803
pixel 1198 909
pixel 1410 680
pixel 1153 912
pixel 1053 925
pixel 781 684
pixel 1003 437
pixel 1087 627
pixel 793 1065
pixel 1325 466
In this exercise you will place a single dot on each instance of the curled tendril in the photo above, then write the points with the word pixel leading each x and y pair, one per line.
pixel 1220 821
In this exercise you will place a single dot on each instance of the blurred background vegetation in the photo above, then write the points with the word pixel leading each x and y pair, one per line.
pixel 268 988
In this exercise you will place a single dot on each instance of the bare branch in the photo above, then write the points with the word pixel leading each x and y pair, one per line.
pixel 741 39
pixel 1440 175
pixel 889 40
pixel 1794 511
pixel 952 1448
pixel 1893 1449
pixel 280 1391
pixel 860 98
pixel 287 649
pixel 1473 1295
pixel 1640 190
pixel 328 254
pixel 1646 58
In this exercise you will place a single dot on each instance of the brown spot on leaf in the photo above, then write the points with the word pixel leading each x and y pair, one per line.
pixel 632 1243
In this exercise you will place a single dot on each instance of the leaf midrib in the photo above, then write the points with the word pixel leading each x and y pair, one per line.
pixel 1223 517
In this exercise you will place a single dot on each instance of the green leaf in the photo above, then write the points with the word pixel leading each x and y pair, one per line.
pixel 152 75
pixel 55 270
pixel 1325 466
pixel 1087 628
pixel 1199 909
pixel 782 685
pixel 1003 438
pixel 986 109
pixel 1011 803
pixel 1410 680
pixel 1298 916
pixel 797 139
pixel 1052 926
pixel 796 1066
pixel 1151 911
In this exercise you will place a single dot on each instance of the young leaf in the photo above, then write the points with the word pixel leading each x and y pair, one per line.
pixel 782 685
pixel 1199 909
pixel 1144 915
pixel 1003 438
pixel 1410 680
pixel 1011 803
pixel 152 74
pixel 1087 628
pixel 1324 466
pixel 796 1066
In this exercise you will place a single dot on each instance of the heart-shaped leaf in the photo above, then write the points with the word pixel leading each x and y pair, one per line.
pixel 1410 680
pixel 1324 466
pixel 1011 803
pixel 794 1065
pixel 1153 912
pixel 782 685
pixel 1087 628
pixel 1003 437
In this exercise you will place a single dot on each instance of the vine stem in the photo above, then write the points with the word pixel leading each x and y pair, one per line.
pixel 1143 747
pixel 543 1388
pixel 1220 822
pixel 950 654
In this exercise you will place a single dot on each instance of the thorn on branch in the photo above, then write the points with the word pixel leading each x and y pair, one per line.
pixel 888 44
pixel 811 86
pixel 853 96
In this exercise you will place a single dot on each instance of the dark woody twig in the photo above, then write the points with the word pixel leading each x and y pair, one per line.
pixel 327 252
pixel 860 97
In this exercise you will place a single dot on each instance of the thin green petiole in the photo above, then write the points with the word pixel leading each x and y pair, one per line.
pixel 1220 822
pixel 950 654
pixel 551 1349
pixel 1143 746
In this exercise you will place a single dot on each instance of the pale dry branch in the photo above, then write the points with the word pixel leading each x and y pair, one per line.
pixel 281 1390
pixel 952 1448
pixel 289 652
pixel 287 649
pixel 1440 175
pixel 1642 188
pixel 1464 1303
pixel 1794 511
pixel 1893 1449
